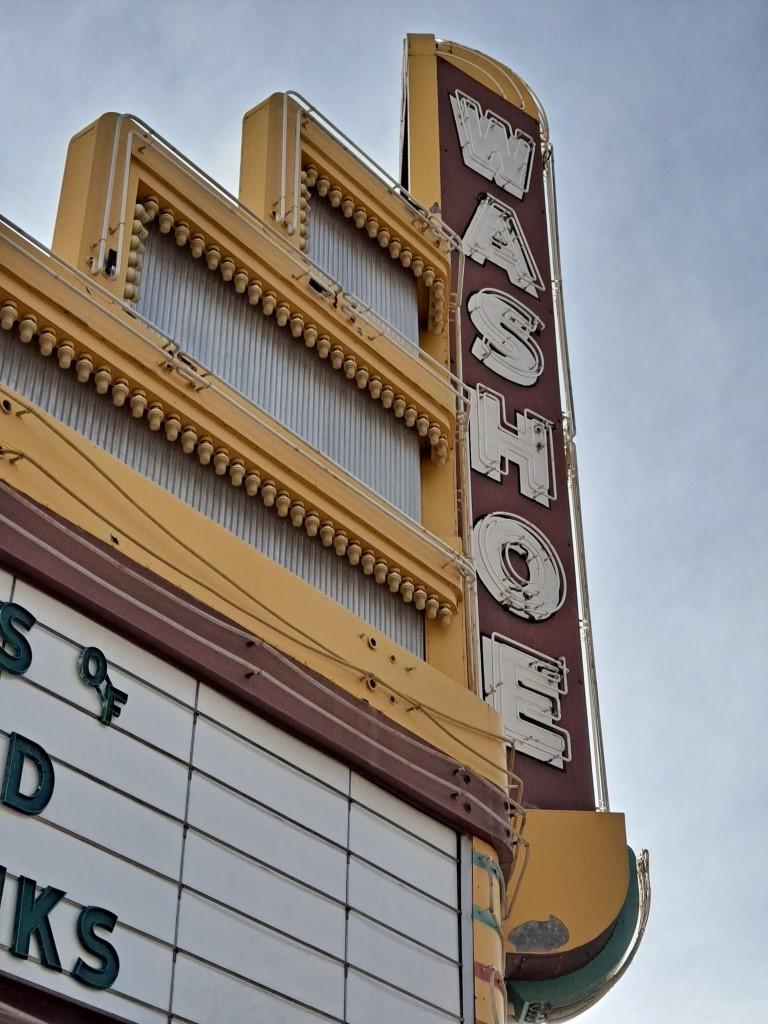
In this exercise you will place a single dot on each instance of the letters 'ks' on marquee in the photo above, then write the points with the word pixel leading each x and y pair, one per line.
pixel 493 196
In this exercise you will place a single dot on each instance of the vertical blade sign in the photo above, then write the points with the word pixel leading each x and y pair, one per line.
pixel 493 196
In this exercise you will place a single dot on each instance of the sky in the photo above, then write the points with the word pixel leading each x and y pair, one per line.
pixel 659 120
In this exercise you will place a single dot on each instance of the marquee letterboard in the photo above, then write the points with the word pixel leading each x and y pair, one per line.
pixel 185 856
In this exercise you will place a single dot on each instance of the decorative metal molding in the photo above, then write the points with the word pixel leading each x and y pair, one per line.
pixel 525 687
pixel 503 534
pixel 225 462
pixel 505 342
pixel 305 197
pixel 258 291
pixel 142 215
pixel 356 211
pixel 160 184
pixel 495 234
pixel 494 443
pixel 490 146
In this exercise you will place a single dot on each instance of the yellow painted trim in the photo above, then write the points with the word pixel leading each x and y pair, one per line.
pixel 576 871
pixel 78 219
pixel 260 188
pixel 260 158
pixel 488 949
pixel 407 687
pixel 284 458
pixel 246 242
pixel 333 160
pixel 423 123
pixel 119 146
pixel 423 145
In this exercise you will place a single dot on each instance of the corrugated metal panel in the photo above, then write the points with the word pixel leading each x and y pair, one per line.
pixel 359 264
pixel 262 361
pixel 128 439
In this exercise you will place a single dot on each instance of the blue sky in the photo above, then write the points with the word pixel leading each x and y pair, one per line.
pixel 658 116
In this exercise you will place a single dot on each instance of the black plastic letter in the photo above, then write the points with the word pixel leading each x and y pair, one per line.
pixel 104 975
pixel 20 748
pixel 32 919
pixel 19 658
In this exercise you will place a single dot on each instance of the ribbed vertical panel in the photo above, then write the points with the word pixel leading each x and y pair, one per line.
pixel 216 326
pixel 359 264
pixel 116 431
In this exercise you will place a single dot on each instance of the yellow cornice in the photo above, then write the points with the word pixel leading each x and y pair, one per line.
pixel 288 154
pixel 277 285
pixel 131 364
pixel 253 253
pixel 121 181
pixel 389 221
pixel 395 212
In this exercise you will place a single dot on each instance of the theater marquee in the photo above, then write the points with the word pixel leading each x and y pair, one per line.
pixel 494 197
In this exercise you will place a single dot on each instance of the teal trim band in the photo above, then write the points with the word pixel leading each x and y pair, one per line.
pixel 486 917
pixel 529 996
pixel 487 864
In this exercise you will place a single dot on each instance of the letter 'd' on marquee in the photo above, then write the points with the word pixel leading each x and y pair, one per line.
pixel 499 536
pixel 504 341
pixel 490 146
pixel 21 750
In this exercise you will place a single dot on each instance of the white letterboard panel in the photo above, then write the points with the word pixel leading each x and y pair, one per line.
pixel 85 806
pixel 369 1001
pixel 380 951
pixel 217 811
pixel 252 876
pixel 6 583
pixel 388 899
pixel 382 842
pixel 281 902
pixel 202 991
pixel 62 619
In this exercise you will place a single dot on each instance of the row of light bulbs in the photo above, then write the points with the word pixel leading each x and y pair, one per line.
pixel 142 216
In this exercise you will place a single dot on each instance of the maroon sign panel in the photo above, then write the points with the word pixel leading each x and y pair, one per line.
pixel 493 197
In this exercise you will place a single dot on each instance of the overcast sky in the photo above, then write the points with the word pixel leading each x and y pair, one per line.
pixel 658 117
